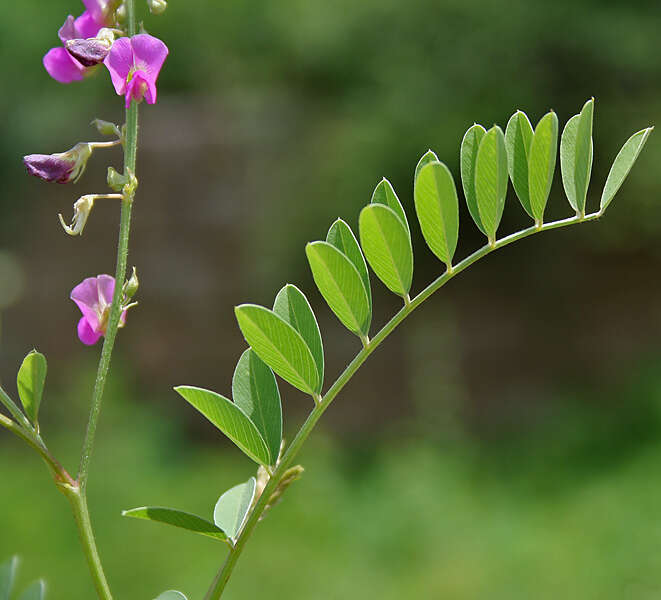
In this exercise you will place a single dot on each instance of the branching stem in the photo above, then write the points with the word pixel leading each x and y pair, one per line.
pixel 220 582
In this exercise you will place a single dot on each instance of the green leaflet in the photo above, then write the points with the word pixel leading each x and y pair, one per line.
pixel 293 307
pixel 518 137
pixel 230 419
pixel 469 147
pixel 171 595
pixel 387 247
pixel 255 392
pixel 15 412
pixel 491 180
pixel 280 346
pixel 177 518
pixel 437 207
pixel 425 159
pixel 341 286
pixel 576 157
pixel 385 194
pixel 30 381
pixel 7 577
pixel 541 163
pixel 341 236
pixel 233 507
pixel 35 591
pixel 622 164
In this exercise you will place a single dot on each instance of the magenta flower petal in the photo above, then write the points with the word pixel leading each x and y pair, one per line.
pixel 97 9
pixel 61 66
pixel 68 30
pixel 86 334
pixel 86 297
pixel 150 54
pixel 87 26
pixel 120 62
pixel 106 287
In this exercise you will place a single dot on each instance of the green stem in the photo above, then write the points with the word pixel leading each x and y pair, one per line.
pixel 223 575
pixel 78 494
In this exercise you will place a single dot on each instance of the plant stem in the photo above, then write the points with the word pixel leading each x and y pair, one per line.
pixel 223 575
pixel 78 494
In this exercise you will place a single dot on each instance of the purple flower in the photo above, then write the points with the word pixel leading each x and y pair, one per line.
pixel 88 52
pixel 62 167
pixel 134 64
pixel 94 298
pixel 60 65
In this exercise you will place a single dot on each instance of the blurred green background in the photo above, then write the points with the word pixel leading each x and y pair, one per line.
pixel 505 443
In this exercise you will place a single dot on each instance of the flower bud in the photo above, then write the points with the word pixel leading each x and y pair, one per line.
pixel 131 286
pixel 116 181
pixel 81 212
pixel 64 167
pixel 106 127
pixel 157 7
pixel 88 52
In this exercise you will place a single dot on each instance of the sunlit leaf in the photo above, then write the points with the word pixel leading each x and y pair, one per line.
pixel 425 159
pixel 622 165
pixel 541 164
pixel 233 507
pixel 385 194
pixel 31 379
pixel 387 247
pixel 292 306
pixel 341 236
pixel 255 391
pixel 491 180
pixel 576 157
pixel 230 419
pixel 177 518
pixel 341 286
pixel 469 147
pixel 280 346
pixel 437 207
pixel 518 137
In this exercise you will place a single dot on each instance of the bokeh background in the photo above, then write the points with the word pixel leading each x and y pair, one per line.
pixel 505 443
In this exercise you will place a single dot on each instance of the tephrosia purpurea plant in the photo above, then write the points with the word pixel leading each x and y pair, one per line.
pixel 285 340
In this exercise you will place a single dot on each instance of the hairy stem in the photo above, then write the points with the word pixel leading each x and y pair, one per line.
pixel 220 582
pixel 78 494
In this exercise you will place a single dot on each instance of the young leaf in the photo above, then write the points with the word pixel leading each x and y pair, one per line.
pixel 518 137
pixel 576 157
pixel 341 236
pixel 491 180
pixel 385 194
pixel 469 147
pixel 541 163
pixel 437 207
pixel 7 576
pixel 425 159
pixel 387 246
pixel 30 381
pixel 230 419
pixel 171 595
pixel 255 391
pixel 622 165
pixel 292 306
pixel 280 346
pixel 177 518
pixel 341 286
pixel 233 507
pixel 35 591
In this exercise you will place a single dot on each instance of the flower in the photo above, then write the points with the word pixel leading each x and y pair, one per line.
pixel 94 298
pixel 62 167
pixel 81 212
pixel 59 63
pixel 90 52
pixel 134 64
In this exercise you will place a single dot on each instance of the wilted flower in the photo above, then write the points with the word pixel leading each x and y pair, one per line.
pixel 59 63
pixel 62 167
pixel 94 299
pixel 91 51
pixel 81 212
pixel 134 64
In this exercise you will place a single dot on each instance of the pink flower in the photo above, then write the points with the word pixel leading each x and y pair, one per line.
pixel 60 65
pixel 94 298
pixel 134 64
